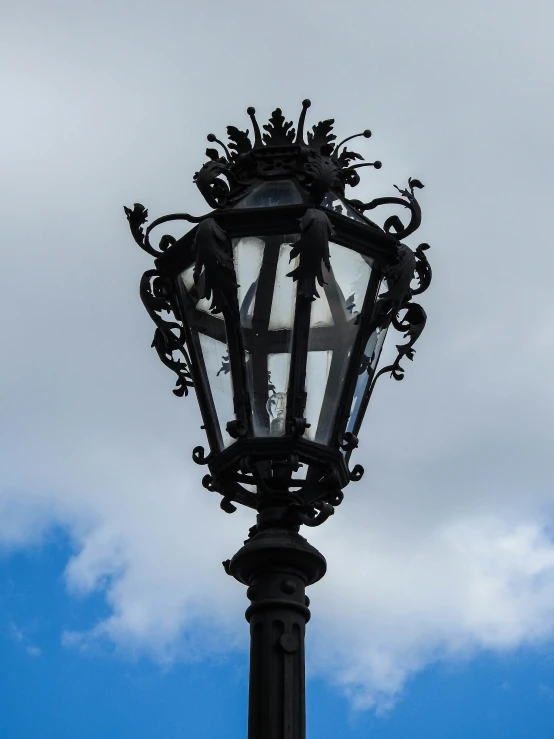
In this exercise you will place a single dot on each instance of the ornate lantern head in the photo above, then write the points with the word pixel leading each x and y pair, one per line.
pixel 279 301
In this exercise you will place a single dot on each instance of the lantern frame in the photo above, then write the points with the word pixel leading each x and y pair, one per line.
pixel 269 464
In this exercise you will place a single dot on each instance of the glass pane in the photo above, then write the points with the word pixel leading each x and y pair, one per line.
pixel 351 271
pixel 337 205
pixel 333 330
pixel 208 330
pixel 279 368
pixel 317 374
pixel 321 312
pixel 194 290
pixel 372 353
pixel 270 194
pixel 284 297
pixel 266 301
pixel 216 361
pixel 248 255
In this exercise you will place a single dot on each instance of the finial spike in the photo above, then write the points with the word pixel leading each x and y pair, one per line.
pixel 366 134
pixel 376 164
pixel 300 134
pixel 257 134
pixel 212 138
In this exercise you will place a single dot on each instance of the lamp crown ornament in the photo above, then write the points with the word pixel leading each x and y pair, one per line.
pixel 313 159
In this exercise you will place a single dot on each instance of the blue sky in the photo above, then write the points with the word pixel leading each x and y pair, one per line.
pixel 436 616
pixel 57 693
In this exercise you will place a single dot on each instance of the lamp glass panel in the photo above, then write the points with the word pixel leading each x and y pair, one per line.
pixel 266 303
pixel 370 359
pixel 334 325
pixel 209 331
pixel 216 361
pixel 271 194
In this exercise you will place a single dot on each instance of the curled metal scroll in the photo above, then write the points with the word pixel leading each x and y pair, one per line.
pixel 138 216
pixel 169 337
pixel 214 271
pixel 313 251
pixel 393 225
pixel 231 492
pixel 409 317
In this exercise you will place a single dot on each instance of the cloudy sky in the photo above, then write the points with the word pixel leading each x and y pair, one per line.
pixel 436 617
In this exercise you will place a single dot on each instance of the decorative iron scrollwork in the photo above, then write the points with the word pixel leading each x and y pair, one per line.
pixel 214 271
pixel 231 491
pixel 316 162
pixel 405 316
pixel 310 515
pixel 138 216
pixel 208 179
pixel 393 225
pixel 313 251
pixel 169 337
pixel 200 457
pixel 349 442
pixel 356 473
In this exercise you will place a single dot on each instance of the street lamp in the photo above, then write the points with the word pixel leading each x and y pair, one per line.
pixel 275 307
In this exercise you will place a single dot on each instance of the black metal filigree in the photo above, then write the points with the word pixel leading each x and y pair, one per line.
pixel 313 251
pixel 279 132
pixel 169 337
pixel 214 189
pixel 407 317
pixel 138 216
pixel 214 271
pixel 317 163
pixel 321 175
pixel 231 492
pixel 321 136
pixel 393 224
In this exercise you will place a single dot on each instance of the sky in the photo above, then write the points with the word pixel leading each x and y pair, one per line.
pixel 436 616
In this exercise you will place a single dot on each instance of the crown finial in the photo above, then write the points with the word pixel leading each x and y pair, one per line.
pixel 257 133
pixel 212 138
pixel 366 134
pixel 300 134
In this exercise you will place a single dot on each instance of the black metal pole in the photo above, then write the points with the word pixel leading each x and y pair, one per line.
pixel 277 564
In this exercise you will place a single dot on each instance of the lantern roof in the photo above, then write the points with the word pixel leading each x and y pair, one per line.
pixel 282 152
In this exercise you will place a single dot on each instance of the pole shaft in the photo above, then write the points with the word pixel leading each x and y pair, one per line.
pixel 277 565
pixel 278 617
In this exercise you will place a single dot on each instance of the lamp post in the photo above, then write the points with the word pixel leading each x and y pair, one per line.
pixel 275 307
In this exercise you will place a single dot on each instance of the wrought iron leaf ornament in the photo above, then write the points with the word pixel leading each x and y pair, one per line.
pixel 345 157
pixel 280 151
pixel 312 249
pixel 423 270
pixel 279 132
pixel 208 180
pixel 169 337
pixel 214 272
pixel 137 218
pixel 322 176
pixel 393 224
pixel 321 135
pixel 407 317
pixel 239 141
pixel 399 278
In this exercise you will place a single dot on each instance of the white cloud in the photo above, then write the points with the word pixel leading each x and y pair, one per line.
pixel 476 584
pixel 444 548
